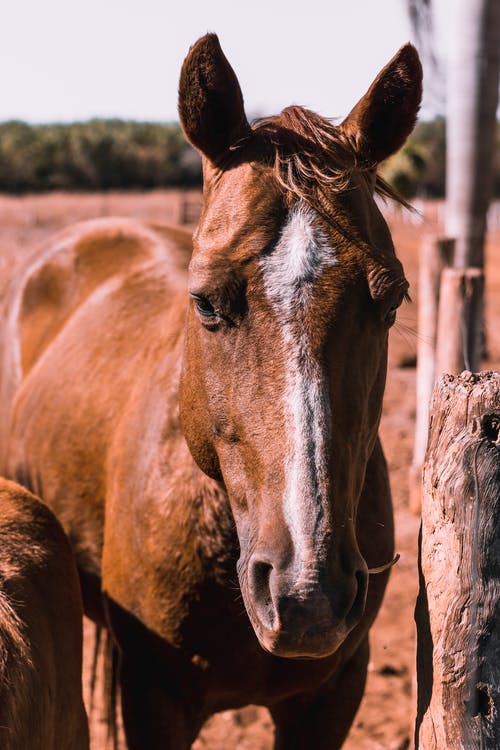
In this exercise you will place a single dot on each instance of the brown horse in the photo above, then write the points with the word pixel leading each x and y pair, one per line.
pixel 209 439
pixel 41 705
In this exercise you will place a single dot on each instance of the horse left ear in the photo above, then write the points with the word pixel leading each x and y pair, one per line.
pixel 382 120
pixel 210 100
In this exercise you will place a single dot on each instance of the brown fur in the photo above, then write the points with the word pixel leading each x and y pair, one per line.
pixel 41 704
pixel 159 437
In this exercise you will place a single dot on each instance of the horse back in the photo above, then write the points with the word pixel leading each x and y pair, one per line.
pixel 61 276
pixel 79 261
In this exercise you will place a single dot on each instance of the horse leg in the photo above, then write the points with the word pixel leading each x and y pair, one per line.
pixel 158 713
pixel 153 718
pixel 323 721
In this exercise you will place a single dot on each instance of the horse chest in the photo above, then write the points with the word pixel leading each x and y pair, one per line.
pixel 198 637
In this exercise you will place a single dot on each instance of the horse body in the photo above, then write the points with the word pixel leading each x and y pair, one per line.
pixel 224 446
pixel 41 704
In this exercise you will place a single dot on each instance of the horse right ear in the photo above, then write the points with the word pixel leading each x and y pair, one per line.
pixel 210 100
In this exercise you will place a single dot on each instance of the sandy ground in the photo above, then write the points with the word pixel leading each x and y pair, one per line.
pixel 386 716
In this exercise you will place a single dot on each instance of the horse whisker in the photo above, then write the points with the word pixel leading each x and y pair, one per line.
pixel 386 566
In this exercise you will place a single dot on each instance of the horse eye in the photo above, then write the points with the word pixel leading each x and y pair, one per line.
pixel 203 306
pixel 390 318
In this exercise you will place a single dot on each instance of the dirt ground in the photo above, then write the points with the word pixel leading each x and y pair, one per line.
pixel 385 718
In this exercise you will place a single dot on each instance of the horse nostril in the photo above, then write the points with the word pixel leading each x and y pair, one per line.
pixel 358 606
pixel 260 574
pixel 260 578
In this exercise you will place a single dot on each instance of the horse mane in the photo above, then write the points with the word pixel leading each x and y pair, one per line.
pixel 16 669
pixel 16 663
pixel 313 158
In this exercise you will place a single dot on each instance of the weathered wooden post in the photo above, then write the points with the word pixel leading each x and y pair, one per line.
pixel 459 320
pixel 183 208
pixel 458 606
pixel 435 254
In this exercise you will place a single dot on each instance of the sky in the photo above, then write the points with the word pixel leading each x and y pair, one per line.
pixel 65 60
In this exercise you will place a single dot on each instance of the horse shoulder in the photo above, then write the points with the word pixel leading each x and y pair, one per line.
pixel 168 526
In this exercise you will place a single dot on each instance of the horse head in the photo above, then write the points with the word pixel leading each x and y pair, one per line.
pixel 294 284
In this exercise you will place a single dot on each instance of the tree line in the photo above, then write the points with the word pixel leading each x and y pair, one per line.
pixel 127 155
pixel 419 168
pixel 95 155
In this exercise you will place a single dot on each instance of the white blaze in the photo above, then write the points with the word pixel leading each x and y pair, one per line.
pixel 298 259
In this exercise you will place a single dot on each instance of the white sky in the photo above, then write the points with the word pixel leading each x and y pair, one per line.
pixel 63 60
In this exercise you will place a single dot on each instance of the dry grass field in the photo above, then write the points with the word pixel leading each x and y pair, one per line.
pixel 385 719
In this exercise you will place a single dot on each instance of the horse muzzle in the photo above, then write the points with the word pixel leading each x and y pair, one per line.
pixel 303 616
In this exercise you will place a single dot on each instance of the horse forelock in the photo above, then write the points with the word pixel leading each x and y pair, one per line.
pixel 311 157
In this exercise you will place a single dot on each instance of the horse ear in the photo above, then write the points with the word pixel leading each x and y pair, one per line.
pixel 382 120
pixel 210 100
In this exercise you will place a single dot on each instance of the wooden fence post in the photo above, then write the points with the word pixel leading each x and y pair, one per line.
pixel 435 254
pixel 459 320
pixel 458 606
pixel 189 207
